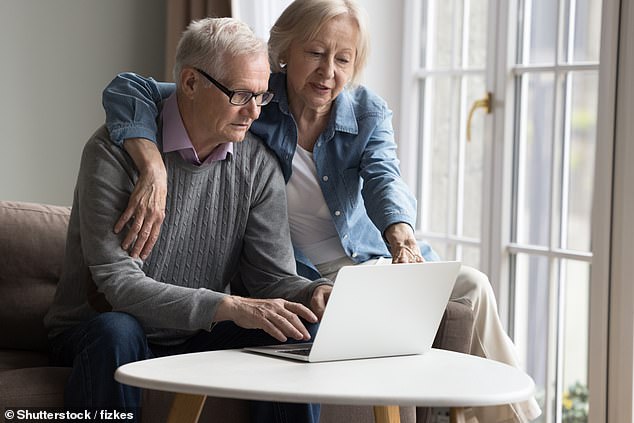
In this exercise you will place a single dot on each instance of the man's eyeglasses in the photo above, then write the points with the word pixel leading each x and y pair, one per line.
pixel 240 97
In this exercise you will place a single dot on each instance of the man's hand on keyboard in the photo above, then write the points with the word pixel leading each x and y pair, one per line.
pixel 277 317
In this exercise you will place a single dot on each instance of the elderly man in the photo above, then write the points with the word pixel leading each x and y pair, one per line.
pixel 225 212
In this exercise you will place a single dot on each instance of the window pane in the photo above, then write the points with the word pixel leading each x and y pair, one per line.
pixel 587 31
pixel 472 197
pixel 532 318
pixel 445 251
pixel 583 123
pixel 443 138
pixel 470 256
pixel 424 33
pixel 534 159
pixel 478 24
pixel 575 341
pixel 541 31
pixel 444 30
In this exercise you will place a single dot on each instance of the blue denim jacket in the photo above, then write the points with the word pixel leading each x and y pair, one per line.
pixel 355 157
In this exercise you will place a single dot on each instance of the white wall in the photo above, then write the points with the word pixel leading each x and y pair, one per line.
pixel 383 71
pixel 56 58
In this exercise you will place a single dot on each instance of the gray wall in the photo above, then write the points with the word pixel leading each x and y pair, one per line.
pixel 56 57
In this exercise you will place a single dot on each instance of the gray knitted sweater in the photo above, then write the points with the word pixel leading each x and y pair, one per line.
pixel 222 217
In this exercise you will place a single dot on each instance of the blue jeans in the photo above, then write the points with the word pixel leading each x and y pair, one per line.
pixel 95 348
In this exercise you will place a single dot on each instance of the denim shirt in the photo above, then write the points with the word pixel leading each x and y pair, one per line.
pixel 355 157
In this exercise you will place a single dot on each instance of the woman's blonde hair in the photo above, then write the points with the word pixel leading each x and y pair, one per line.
pixel 303 19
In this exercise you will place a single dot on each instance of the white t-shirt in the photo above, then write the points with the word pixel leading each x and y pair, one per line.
pixel 312 228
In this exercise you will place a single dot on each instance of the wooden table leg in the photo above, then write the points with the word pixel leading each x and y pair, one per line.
pixel 186 408
pixel 456 415
pixel 387 414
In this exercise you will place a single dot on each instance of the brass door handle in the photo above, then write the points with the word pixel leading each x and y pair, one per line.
pixel 486 102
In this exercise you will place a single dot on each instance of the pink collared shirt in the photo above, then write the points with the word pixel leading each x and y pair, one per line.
pixel 175 136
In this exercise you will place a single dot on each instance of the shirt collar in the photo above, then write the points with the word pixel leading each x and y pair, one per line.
pixel 277 84
pixel 345 118
pixel 175 137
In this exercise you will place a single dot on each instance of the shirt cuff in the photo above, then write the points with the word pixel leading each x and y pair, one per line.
pixel 119 134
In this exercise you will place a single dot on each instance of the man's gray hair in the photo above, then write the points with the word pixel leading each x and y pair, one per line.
pixel 209 43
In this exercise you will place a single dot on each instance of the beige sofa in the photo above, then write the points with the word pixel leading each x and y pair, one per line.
pixel 32 240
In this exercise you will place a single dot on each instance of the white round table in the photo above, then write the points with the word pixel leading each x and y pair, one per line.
pixel 439 378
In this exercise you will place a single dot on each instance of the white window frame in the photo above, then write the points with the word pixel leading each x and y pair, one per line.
pixel 496 226
pixel 503 246
pixel 612 291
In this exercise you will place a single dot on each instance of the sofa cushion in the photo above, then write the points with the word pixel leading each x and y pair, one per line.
pixel 32 242
pixel 456 328
pixel 17 359
pixel 33 387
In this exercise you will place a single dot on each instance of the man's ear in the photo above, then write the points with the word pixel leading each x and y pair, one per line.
pixel 189 81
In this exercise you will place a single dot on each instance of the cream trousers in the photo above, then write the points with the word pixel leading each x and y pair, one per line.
pixel 489 338
pixel 490 341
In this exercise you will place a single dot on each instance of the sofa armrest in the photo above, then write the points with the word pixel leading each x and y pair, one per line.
pixel 32 242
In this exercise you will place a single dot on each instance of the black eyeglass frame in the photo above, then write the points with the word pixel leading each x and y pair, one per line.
pixel 265 96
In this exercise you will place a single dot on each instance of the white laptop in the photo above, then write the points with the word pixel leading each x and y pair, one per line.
pixel 378 311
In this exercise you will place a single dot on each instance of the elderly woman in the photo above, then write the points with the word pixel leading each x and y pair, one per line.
pixel 347 203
